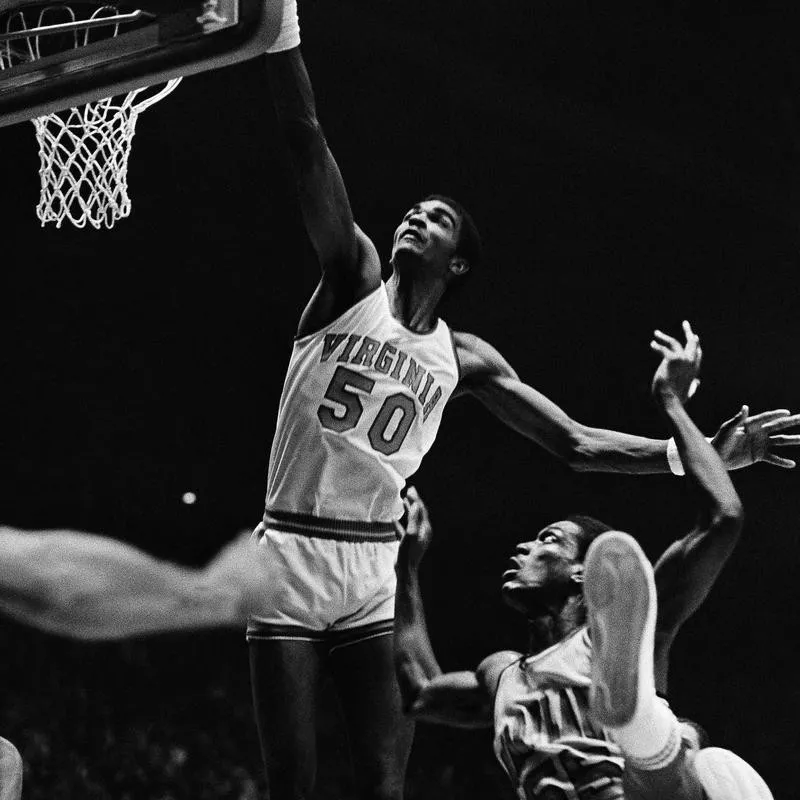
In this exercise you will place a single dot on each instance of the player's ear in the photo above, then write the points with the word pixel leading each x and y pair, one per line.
pixel 458 265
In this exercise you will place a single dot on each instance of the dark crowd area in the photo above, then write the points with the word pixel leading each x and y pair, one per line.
pixel 170 719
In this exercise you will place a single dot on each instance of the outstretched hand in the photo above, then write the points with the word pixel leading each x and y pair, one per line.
pixel 418 532
pixel 676 375
pixel 743 440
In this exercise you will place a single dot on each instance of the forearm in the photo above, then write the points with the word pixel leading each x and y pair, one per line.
pixel 415 662
pixel 702 464
pixel 583 448
pixel 89 587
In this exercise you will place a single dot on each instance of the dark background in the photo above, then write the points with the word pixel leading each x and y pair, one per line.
pixel 630 165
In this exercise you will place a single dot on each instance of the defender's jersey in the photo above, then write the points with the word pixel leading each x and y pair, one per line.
pixel 361 406
pixel 544 737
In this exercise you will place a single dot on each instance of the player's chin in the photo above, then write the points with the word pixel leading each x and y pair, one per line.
pixel 407 252
pixel 510 593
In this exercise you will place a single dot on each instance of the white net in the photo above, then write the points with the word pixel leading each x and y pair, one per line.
pixel 84 154
pixel 83 151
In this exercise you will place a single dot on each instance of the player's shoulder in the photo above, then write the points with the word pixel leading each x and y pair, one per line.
pixel 476 356
pixel 493 666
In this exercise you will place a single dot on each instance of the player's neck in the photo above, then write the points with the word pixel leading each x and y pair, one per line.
pixel 413 304
pixel 553 623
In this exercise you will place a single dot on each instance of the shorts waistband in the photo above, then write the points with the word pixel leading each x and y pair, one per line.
pixel 341 530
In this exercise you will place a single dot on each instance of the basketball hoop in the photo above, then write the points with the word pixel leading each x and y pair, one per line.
pixel 83 151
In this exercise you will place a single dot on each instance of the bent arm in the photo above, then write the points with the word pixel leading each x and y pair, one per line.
pixel 90 587
pixel 458 699
pixel 349 263
pixel 688 568
pixel 488 377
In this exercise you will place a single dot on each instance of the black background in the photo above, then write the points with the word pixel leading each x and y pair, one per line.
pixel 630 165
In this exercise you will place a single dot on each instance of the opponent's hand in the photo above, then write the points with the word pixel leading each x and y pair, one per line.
pixel 418 532
pixel 676 375
pixel 743 440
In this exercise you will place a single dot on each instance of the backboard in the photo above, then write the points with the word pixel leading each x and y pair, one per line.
pixel 60 54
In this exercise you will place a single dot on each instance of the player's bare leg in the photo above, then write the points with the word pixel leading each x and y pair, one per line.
pixel 284 677
pixel 380 735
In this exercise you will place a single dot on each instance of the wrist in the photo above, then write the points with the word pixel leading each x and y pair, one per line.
pixel 667 397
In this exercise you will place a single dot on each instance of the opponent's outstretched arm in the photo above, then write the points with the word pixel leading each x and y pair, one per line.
pixel 490 378
pixel 687 569
pixel 349 262
pixel 90 587
pixel 459 699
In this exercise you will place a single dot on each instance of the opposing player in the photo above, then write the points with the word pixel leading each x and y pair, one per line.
pixel 371 370
pixel 578 714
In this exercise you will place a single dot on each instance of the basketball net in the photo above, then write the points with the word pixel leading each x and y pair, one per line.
pixel 84 154
pixel 83 151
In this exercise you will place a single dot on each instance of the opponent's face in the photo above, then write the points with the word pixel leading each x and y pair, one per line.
pixel 428 234
pixel 545 564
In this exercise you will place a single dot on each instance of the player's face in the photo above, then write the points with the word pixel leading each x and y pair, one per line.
pixel 548 562
pixel 428 234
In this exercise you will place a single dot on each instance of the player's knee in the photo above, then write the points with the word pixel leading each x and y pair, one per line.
pixel 725 776
pixel 10 771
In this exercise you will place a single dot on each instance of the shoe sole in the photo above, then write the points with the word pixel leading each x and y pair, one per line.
pixel 618 587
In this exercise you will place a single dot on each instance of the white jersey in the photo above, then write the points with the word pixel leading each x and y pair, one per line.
pixel 545 738
pixel 361 405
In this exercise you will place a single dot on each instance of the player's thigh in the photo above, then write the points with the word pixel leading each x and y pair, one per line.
pixel 380 734
pixel 284 677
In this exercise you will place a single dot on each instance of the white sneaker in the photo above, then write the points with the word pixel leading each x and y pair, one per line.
pixel 620 596
pixel 725 776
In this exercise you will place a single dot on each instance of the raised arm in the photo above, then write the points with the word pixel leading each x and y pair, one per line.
pixel 347 258
pixel 688 568
pixel 490 378
pixel 90 587
pixel 458 699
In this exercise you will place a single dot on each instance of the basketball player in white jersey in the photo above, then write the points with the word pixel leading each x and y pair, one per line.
pixel 578 714
pixel 370 373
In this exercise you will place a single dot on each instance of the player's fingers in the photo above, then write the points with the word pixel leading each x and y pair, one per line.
pixel 668 341
pixel 401 531
pixel 781 423
pixel 766 417
pixel 698 356
pixel 782 440
pixel 659 348
pixel 692 341
pixel 731 424
pixel 778 461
